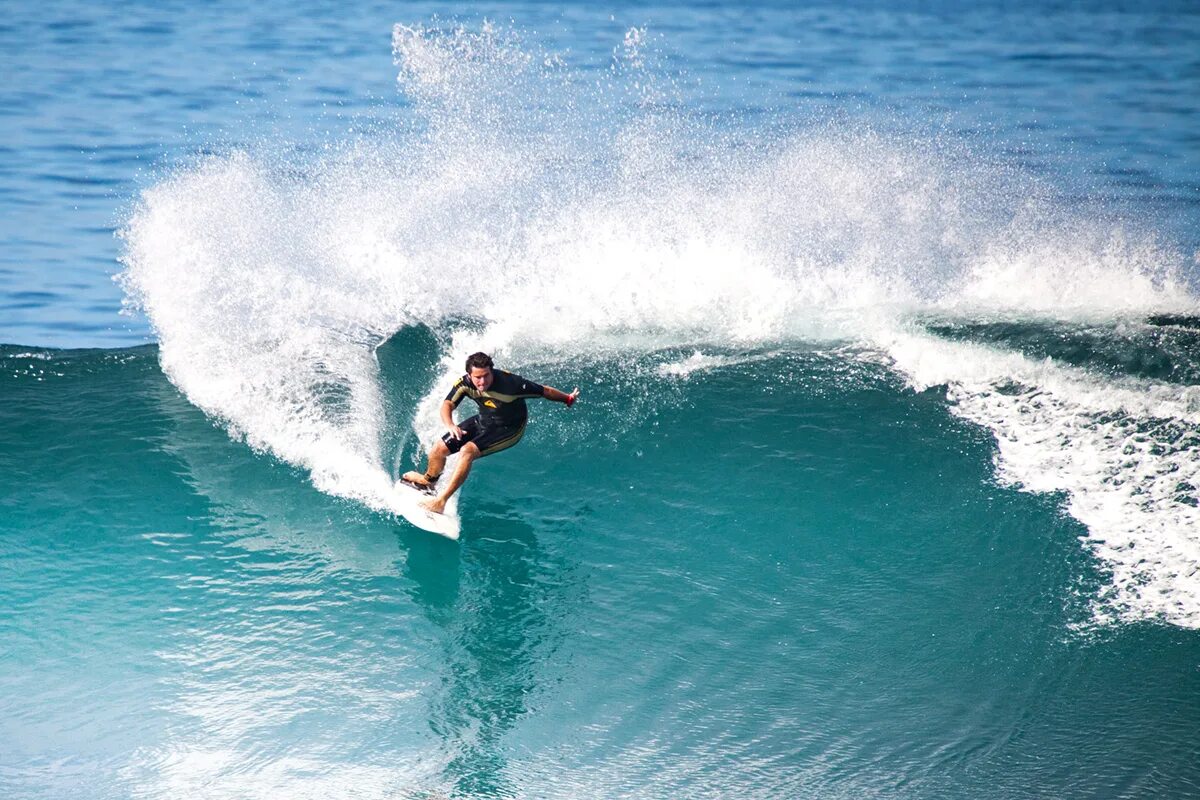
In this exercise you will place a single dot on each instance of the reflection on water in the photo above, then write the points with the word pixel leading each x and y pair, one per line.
pixel 501 614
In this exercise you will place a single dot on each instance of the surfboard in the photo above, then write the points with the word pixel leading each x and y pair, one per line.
pixel 408 505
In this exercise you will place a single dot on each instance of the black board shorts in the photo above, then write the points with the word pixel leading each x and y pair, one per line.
pixel 489 439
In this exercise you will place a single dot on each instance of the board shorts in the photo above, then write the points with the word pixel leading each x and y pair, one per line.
pixel 489 439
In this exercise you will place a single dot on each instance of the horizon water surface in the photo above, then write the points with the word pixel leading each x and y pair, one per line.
pixel 886 477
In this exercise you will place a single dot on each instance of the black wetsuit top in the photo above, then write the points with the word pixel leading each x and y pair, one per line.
pixel 503 404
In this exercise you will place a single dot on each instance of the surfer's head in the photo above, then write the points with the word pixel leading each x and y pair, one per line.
pixel 479 370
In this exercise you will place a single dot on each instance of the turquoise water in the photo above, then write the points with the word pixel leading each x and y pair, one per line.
pixel 883 482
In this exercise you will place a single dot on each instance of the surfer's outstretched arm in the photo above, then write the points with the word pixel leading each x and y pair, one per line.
pixel 550 393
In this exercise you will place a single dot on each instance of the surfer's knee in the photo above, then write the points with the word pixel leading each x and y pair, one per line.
pixel 440 449
pixel 470 450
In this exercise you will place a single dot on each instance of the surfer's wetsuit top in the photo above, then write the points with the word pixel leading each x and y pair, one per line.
pixel 500 422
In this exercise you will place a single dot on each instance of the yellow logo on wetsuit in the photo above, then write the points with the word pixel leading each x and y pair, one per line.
pixel 490 404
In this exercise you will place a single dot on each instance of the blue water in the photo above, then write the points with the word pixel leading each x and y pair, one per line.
pixel 885 479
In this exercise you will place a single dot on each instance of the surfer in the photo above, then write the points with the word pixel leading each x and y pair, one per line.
pixel 499 424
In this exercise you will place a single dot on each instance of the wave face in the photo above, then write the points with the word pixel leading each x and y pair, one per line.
pixel 762 573
pixel 560 222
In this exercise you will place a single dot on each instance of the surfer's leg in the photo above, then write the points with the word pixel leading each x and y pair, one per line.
pixel 433 468
pixel 466 455
pixel 442 449
pixel 437 462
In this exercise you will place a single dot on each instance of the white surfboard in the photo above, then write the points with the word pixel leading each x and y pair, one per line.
pixel 408 505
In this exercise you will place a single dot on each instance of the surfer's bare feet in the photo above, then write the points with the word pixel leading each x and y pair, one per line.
pixel 437 505
pixel 416 479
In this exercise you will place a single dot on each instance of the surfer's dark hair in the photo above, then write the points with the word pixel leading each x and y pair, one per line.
pixel 479 360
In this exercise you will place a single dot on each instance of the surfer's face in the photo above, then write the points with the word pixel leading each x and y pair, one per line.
pixel 481 378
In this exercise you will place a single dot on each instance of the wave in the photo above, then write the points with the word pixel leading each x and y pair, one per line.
pixel 551 219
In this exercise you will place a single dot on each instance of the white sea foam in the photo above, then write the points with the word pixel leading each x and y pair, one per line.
pixel 1126 453
pixel 699 361
pixel 562 218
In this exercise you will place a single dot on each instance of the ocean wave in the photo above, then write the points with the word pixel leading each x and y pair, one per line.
pixel 549 219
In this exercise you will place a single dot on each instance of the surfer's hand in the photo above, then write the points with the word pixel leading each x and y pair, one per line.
pixel 456 432
pixel 572 397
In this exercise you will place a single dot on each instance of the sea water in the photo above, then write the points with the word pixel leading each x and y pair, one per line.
pixel 885 479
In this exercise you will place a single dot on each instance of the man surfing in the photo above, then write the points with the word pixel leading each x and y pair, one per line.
pixel 499 424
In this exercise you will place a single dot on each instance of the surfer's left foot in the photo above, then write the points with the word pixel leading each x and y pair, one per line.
pixel 418 481
pixel 437 505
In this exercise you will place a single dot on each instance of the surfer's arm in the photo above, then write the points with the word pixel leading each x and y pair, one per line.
pixel 525 388
pixel 456 395
pixel 448 419
pixel 550 393
pixel 457 392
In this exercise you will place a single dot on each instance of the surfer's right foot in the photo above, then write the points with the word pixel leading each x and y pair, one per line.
pixel 437 505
